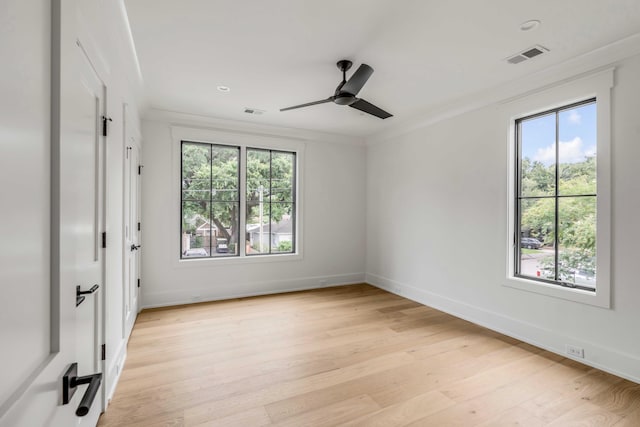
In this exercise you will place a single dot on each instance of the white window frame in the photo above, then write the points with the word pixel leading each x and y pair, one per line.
pixel 244 141
pixel 597 85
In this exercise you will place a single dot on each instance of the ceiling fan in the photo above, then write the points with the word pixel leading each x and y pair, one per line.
pixel 346 91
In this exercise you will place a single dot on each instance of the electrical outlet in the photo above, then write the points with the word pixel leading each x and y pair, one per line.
pixel 574 351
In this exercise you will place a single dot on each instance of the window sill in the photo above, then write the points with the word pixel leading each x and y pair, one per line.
pixel 252 259
pixel 598 299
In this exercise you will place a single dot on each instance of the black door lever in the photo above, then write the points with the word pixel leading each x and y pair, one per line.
pixel 134 247
pixel 79 293
pixel 71 380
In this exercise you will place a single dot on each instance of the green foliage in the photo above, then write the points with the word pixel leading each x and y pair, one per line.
pixel 285 246
pixel 570 262
pixel 211 187
pixel 274 179
pixel 576 215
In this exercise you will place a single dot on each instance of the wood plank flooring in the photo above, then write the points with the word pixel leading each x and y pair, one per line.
pixel 352 356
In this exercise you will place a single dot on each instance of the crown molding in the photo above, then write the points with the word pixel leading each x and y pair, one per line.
pixel 583 65
pixel 177 118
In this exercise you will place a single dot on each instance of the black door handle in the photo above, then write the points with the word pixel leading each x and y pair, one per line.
pixel 71 380
pixel 80 298
pixel 134 247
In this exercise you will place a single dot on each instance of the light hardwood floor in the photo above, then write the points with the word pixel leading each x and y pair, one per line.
pixel 352 355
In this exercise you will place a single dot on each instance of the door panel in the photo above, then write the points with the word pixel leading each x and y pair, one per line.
pixel 82 181
pixel 132 234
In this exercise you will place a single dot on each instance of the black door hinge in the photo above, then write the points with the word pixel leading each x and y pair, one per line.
pixel 138 282
pixel 104 240
pixel 138 225
pixel 104 352
pixel 140 169
pixel 105 120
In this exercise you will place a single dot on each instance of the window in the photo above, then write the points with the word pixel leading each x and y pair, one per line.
pixel 210 200
pixel 270 202
pixel 213 208
pixel 556 196
pixel 558 236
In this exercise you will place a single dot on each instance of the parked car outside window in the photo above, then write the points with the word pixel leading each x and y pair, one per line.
pixel 221 246
pixel 530 243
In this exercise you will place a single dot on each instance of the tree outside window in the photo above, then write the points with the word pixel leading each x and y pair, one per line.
pixel 210 197
pixel 556 196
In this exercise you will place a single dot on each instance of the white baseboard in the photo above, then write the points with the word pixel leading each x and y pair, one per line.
pixel 152 299
pixel 115 367
pixel 608 360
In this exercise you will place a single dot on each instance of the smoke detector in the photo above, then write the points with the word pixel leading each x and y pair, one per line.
pixel 527 54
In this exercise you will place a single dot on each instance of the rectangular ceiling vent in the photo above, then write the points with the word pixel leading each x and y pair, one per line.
pixel 254 111
pixel 526 54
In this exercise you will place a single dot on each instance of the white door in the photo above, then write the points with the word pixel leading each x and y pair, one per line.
pixel 55 181
pixel 82 163
pixel 132 230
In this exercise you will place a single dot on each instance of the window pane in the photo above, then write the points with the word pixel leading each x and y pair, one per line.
pixel 258 229
pixel 577 154
pixel 537 223
pixel 282 231
pixel 225 218
pixel 537 156
pixel 282 176
pixel 577 240
pixel 258 173
pixel 224 173
pixel 196 171
pixel 196 229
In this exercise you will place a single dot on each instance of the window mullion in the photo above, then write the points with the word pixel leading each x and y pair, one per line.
pixel 210 199
pixel 556 204
pixel 270 194
pixel 242 226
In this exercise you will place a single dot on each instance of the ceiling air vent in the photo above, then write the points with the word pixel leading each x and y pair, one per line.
pixel 526 54
pixel 254 111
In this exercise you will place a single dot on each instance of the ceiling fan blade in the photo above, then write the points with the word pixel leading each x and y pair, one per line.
pixel 308 104
pixel 357 80
pixel 367 107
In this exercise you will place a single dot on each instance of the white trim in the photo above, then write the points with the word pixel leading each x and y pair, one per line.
pixel 196 121
pixel 114 369
pixel 248 289
pixel 597 85
pixel 617 363
pixel 243 140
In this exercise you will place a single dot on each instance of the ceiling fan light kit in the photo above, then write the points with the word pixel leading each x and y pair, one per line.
pixel 345 93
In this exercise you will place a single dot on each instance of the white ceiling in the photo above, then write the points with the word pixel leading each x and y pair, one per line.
pixel 278 53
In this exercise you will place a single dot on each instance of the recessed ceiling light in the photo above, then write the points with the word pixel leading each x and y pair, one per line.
pixel 530 25
pixel 223 88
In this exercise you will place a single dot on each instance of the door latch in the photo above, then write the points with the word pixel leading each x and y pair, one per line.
pixel 70 382
pixel 79 293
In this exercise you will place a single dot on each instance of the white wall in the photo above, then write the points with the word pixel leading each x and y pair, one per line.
pixel 101 29
pixel 25 31
pixel 437 231
pixel 333 216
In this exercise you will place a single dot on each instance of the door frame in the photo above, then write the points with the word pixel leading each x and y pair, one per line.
pixel 130 141
pixel 91 52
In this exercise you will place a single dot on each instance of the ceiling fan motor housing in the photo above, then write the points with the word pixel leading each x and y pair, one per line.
pixel 344 99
